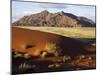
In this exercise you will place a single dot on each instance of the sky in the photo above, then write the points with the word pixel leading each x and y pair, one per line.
pixel 20 9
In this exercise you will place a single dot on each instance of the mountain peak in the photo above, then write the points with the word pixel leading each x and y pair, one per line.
pixel 45 12
pixel 59 19
pixel 61 12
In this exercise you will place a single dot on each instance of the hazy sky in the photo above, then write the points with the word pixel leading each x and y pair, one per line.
pixel 19 9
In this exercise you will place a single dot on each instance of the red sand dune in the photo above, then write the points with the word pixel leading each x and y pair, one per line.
pixel 32 42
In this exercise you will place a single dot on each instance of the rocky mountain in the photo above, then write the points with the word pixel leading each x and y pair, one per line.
pixel 59 19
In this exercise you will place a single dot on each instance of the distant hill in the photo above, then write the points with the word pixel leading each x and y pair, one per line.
pixel 59 19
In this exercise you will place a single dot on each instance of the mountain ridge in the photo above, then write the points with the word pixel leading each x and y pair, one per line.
pixel 59 19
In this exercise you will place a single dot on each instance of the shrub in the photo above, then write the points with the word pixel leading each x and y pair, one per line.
pixel 53 48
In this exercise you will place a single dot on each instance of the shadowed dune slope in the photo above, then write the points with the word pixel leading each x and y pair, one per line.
pixel 33 42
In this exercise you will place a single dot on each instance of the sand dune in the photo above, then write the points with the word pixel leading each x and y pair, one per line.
pixel 33 42
pixel 73 54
